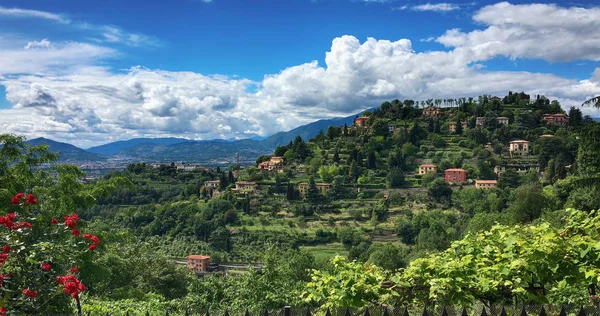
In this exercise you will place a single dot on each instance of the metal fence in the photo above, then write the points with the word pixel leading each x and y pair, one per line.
pixel 480 310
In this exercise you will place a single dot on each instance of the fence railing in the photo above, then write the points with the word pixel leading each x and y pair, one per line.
pixel 481 310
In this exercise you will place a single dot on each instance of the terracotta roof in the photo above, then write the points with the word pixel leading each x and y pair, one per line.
pixel 456 169
pixel 486 182
pixel 427 165
pixel 198 257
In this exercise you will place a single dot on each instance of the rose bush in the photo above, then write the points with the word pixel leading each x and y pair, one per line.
pixel 39 260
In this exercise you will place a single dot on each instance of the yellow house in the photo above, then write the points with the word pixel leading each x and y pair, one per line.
pixel 485 184
pixel 519 147
pixel 323 187
pixel 425 168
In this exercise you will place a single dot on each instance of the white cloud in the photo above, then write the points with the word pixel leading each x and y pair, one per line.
pixel 45 43
pixel 112 34
pixel 438 7
pixel 24 13
pixel 541 31
pixel 60 90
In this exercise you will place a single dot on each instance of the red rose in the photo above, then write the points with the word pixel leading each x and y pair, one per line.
pixel 11 216
pixel 87 236
pixel 30 199
pixel 25 224
pixel 46 266
pixel 2 311
pixel 30 293
pixel 75 232
pixel 6 249
pixel 95 239
pixel 72 285
pixel 92 247
pixel 54 221
pixel 74 269
pixel 3 257
pixel 17 198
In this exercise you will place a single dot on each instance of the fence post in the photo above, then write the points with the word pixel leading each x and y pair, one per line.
pixel 483 313
pixel 287 311
pixel 367 311
pixel 246 313
pixel 563 312
pixel 405 311
pixel 464 312
pixel 523 311
pixel 385 311
pixel 581 312
pixel 328 313
pixel 543 311
pixel 347 313
pixel 226 312
pixel 307 311
pixel 503 312
pixel 188 312
pixel 266 313
pixel 444 311
pixel 425 311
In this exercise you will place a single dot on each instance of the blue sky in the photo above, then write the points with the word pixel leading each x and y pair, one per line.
pixel 97 71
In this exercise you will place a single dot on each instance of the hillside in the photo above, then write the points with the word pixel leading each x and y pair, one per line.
pixel 67 152
pixel 115 147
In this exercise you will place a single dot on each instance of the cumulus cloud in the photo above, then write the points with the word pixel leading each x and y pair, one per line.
pixel 45 43
pixel 24 13
pixel 540 31
pixel 89 104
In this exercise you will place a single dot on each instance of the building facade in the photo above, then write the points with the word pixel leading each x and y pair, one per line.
pixel 502 120
pixel 361 121
pixel 425 168
pixel 485 184
pixel 519 148
pixel 455 175
pixel 245 186
pixel 557 119
pixel 322 187
pixel 452 126
pixel 198 263
pixel 214 184
pixel 432 111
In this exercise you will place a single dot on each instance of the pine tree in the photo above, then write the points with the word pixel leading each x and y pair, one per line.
pixel 312 192
pixel 430 126
pixel 372 160
pixel 459 128
pixel 336 156
pixel 437 128
pixel 230 177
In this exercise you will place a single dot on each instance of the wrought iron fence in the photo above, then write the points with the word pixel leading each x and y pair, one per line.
pixel 477 310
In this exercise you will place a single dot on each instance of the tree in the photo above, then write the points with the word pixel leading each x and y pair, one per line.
pixel 588 154
pixel 437 128
pixel 380 128
pixel 575 117
pixel 527 204
pixel 337 190
pixel 280 151
pixel 290 192
pixel 595 102
pixel 313 195
pixel 439 191
pixel 508 179
pixel 223 181
pixel 371 160
pixel 430 126
pixel 459 128
pixel 388 256
pixel 395 178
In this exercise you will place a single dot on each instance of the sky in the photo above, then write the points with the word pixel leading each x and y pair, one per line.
pixel 92 72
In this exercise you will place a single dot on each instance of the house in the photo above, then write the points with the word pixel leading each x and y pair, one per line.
pixel 323 187
pixel 275 163
pixel 156 165
pixel 452 126
pixel 214 184
pixel 499 169
pixel 558 119
pixel 486 184
pixel 479 121
pixel 431 111
pixel 198 263
pixel 361 121
pixel 502 120
pixel 546 136
pixel 188 167
pixel 455 175
pixel 425 168
pixel 245 186
pixel 391 128
pixel 519 148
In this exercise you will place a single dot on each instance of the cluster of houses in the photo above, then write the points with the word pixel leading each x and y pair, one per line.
pixel 458 176
pixel 274 164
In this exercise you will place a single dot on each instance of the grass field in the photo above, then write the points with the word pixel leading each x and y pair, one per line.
pixel 325 252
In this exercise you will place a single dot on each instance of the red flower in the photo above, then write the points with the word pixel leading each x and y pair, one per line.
pixel 71 220
pixel 95 239
pixel 87 236
pixel 26 224
pixel 2 311
pixel 30 199
pixel 75 232
pixel 72 285
pixel 46 266
pixel 92 247
pixel 30 293
pixel 3 257
pixel 54 221
pixel 74 269
pixel 11 216
pixel 17 198
pixel 6 249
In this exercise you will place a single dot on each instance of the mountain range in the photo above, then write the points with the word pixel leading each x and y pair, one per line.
pixel 192 151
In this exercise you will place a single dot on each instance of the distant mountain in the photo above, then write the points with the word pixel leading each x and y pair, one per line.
pixel 307 131
pixel 115 147
pixel 202 152
pixel 67 152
